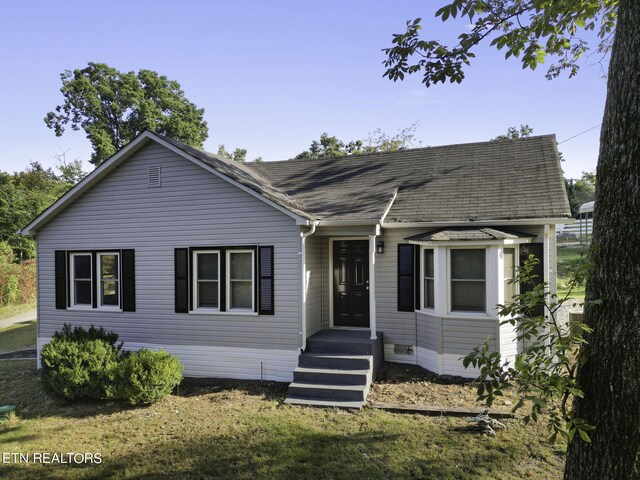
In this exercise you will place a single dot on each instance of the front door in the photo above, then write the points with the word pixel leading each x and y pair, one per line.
pixel 351 283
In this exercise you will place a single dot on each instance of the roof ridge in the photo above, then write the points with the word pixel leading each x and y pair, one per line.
pixel 418 149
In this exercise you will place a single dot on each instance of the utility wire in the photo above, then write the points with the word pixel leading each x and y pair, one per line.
pixel 578 134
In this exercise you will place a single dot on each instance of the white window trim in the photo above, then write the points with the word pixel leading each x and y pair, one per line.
pixel 197 309
pixel 479 313
pixel 423 303
pixel 251 310
pixel 72 275
pixel 98 280
pixel 516 264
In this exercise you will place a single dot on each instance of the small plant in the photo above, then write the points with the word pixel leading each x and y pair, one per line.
pixel 544 373
pixel 147 376
pixel 80 364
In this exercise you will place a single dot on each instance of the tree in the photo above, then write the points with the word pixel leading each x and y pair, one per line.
pixel 514 132
pixel 23 195
pixel 376 141
pixel 581 191
pixel 609 371
pixel 113 107
pixel 238 155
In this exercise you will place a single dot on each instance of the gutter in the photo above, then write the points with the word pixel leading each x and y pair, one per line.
pixel 303 271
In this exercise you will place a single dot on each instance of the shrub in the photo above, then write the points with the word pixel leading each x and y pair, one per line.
pixel 81 364
pixel 147 376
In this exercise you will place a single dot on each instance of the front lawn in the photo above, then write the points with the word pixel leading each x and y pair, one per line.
pixel 233 429
pixel 18 336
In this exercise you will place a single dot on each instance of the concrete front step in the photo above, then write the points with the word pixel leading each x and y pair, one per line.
pixel 332 346
pixel 327 392
pixel 317 402
pixel 330 376
pixel 335 361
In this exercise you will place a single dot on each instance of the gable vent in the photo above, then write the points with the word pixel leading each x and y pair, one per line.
pixel 154 176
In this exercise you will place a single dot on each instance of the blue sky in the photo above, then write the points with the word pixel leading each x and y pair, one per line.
pixel 272 76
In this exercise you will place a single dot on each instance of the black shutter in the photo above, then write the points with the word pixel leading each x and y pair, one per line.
pixel 537 250
pixel 265 283
pixel 222 301
pixel 416 270
pixel 406 277
pixel 128 281
pixel 181 272
pixel 61 279
pixel 95 282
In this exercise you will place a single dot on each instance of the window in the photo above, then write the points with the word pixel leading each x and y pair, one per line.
pixel 468 280
pixel 428 274
pixel 222 280
pixel 240 279
pixel 510 287
pixel 206 274
pixel 109 278
pixel 81 267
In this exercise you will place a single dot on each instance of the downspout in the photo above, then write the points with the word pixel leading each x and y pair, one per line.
pixel 303 264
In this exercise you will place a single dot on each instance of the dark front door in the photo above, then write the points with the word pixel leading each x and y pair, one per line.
pixel 350 283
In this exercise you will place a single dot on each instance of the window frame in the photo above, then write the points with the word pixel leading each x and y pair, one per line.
pixel 423 277
pixel 194 280
pixel 228 280
pixel 516 265
pixel 118 281
pixel 450 309
pixel 72 281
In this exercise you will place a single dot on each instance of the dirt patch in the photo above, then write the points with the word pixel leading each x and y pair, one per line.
pixel 413 385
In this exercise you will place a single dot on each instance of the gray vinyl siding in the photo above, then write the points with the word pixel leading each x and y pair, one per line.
pixel 313 260
pixel 398 327
pixel 192 208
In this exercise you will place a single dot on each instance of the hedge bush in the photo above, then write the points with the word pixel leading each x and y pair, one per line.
pixel 80 363
pixel 147 376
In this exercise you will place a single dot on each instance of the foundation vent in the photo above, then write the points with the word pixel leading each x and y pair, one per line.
pixel 154 179
pixel 403 349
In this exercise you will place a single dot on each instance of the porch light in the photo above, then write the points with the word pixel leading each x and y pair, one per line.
pixel 380 246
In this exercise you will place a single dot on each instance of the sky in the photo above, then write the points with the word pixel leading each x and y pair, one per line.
pixel 272 76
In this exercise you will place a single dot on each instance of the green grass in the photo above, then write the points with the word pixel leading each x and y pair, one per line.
pixel 18 336
pixel 569 257
pixel 241 430
pixel 13 310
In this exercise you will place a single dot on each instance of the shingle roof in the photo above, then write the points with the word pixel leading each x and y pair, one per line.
pixel 462 234
pixel 496 180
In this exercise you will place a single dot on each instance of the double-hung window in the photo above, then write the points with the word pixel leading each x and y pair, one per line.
pixel 206 280
pixel 428 300
pixel 223 279
pixel 240 280
pixel 109 279
pixel 509 262
pixel 80 281
pixel 94 285
pixel 468 280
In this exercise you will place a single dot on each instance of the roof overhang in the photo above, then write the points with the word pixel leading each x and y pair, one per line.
pixel 502 222
pixel 109 165
pixel 463 236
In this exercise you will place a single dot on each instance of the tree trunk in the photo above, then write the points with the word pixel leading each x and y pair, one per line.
pixel 610 377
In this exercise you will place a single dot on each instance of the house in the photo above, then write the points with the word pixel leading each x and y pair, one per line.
pixel 318 266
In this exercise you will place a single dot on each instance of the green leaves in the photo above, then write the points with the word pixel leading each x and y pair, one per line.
pixel 530 30
pixel 113 107
pixel 543 373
